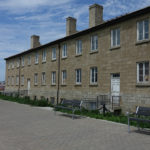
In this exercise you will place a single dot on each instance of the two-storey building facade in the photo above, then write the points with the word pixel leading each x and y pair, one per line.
pixel 110 57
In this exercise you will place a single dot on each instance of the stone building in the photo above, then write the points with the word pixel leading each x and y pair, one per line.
pixel 109 58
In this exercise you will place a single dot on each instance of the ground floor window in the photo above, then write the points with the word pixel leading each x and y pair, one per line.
pixel 93 75
pixel 143 72
pixel 78 76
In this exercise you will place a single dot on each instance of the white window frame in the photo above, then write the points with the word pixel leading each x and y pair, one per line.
pixel 53 77
pixel 54 53
pixel 22 80
pixel 78 47
pixel 143 30
pixel 64 76
pixel 36 58
pixel 115 42
pixel 43 78
pixel 64 51
pixel 93 75
pixel 94 43
pixel 22 61
pixel 44 56
pixel 78 76
pixel 35 78
pixel 144 76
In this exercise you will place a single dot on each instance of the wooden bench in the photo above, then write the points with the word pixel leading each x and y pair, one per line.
pixel 142 114
pixel 72 105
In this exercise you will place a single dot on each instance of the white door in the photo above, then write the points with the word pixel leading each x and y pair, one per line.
pixel 115 87
pixel 28 84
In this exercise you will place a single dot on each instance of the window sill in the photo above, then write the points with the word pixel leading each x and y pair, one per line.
pixel 142 42
pixel 53 59
pixel 44 61
pixel 29 65
pixel 64 57
pixel 35 84
pixel 93 51
pixel 115 47
pixel 77 55
pixel 36 63
pixel 63 84
pixel 78 84
pixel 22 84
pixel 143 85
pixel 43 84
pixel 53 84
pixel 93 84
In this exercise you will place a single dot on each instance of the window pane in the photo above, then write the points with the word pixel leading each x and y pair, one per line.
pixel 140 30
pixel 118 36
pixel 146 26
pixel 141 72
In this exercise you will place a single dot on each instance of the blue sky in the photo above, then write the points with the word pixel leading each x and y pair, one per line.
pixel 19 19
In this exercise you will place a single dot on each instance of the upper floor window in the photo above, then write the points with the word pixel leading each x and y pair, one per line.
pixel 43 55
pixel 115 37
pixel 53 53
pixel 18 62
pixel 78 47
pixel 35 78
pixel 22 80
pixel 64 51
pixel 53 77
pixel 13 65
pixel 22 61
pixel 143 30
pixel 29 60
pixel 93 75
pixel 143 72
pixel 94 42
pixel 36 58
pixel 78 76
pixel 43 78
pixel 64 76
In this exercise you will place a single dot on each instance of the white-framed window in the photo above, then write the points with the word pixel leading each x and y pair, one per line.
pixel 78 76
pixel 64 51
pixel 78 47
pixel 29 60
pixel 115 37
pixel 22 60
pixel 35 78
pixel 53 77
pixel 17 80
pixel 43 55
pixel 12 80
pixel 143 72
pixel 53 53
pixel 13 65
pixel 93 75
pixel 94 43
pixel 36 58
pixel 43 78
pixel 143 30
pixel 18 63
pixel 64 76
pixel 22 80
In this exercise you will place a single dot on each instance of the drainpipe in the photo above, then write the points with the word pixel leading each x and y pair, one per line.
pixel 58 73
pixel 19 76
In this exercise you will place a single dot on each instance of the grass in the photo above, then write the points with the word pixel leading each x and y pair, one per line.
pixel 26 100
pixel 93 114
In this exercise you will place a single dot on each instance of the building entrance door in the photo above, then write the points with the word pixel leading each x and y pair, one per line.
pixel 115 87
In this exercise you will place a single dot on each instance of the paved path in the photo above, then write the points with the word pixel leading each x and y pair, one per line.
pixel 28 128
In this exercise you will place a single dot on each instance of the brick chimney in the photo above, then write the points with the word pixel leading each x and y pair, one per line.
pixel 95 15
pixel 35 41
pixel 70 26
